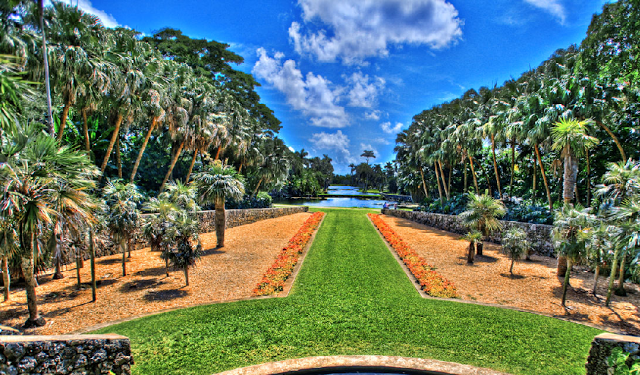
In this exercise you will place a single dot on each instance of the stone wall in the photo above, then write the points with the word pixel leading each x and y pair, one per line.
pixel 67 354
pixel 538 234
pixel 236 218
pixel 601 349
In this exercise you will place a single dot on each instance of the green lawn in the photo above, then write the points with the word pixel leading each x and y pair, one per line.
pixel 351 297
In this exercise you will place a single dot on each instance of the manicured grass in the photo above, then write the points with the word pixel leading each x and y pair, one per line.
pixel 352 298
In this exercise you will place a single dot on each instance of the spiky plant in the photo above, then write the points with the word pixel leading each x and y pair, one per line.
pixel 482 215
pixel 515 245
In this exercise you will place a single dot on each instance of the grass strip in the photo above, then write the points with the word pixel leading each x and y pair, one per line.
pixel 352 298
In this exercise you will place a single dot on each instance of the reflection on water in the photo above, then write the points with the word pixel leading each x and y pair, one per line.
pixel 344 190
pixel 335 202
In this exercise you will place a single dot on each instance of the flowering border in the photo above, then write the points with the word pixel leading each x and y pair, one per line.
pixel 430 281
pixel 274 279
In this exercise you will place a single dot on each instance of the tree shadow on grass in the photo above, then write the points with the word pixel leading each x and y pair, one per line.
pixel 62 311
pixel 485 259
pixel 213 250
pixel 164 295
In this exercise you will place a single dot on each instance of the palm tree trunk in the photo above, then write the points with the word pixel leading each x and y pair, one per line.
pixel 615 139
pixel 173 164
pixel 612 276
pixel 186 275
pixel 218 153
pixel 255 191
pixel 92 254
pixel 444 183
pixel 495 164
pixel 511 268
pixel 144 146
pixel 63 120
pixel 85 129
pixel 123 246
pixel 435 166
pixel 78 271
pixel 588 179
pixel 193 161
pixel 544 176
pixel 47 84
pixel 449 179
pixel 471 252
pixel 30 286
pixel 424 184
pixel 6 278
pixel 535 174
pixel 220 221
pixel 464 171
pixel 595 279
pixel 565 285
pixel 118 159
pixel 473 174
pixel 513 165
pixel 620 289
pixel 569 177
pixel 114 137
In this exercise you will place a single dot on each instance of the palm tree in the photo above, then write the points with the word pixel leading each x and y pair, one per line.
pixel 482 215
pixel 368 154
pixel 45 57
pixel 514 244
pixel 214 186
pixel 36 165
pixel 275 163
pixel 473 237
pixel 123 216
pixel 182 243
pixel 570 233
pixel 571 139
pixel 598 245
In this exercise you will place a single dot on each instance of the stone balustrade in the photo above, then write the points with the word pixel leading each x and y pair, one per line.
pixel 538 234
pixel 65 354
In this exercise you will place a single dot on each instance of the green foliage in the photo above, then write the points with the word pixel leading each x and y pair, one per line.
pixel 620 363
pixel 482 213
pixel 515 244
pixel 219 182
pixel 262 200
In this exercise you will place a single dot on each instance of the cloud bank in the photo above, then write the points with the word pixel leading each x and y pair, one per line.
pixel 353 30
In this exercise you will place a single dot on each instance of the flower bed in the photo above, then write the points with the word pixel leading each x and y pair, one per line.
pixel 275 277
pixel 430 281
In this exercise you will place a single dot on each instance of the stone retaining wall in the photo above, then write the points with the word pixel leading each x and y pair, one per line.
pixel 601 349
pixel 67 354
pixel 538 234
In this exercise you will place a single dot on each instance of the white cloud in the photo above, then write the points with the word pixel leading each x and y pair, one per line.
pixel 313 95
pixel 387 128
pixel 358 29
pixel 107 19
pixel 361 92
pixel 552 6
pixel 336 142
pixel 373 115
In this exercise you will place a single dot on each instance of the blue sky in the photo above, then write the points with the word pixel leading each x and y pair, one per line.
pixel 348 75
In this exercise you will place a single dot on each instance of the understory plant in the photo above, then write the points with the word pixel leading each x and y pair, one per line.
pixel 515 245
pixel 482 215
pixel 473 237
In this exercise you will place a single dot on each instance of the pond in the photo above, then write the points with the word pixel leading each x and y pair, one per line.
pixel 337 201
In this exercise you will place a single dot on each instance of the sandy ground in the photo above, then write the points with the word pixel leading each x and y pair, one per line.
pixel 534 287
pixel 229 273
